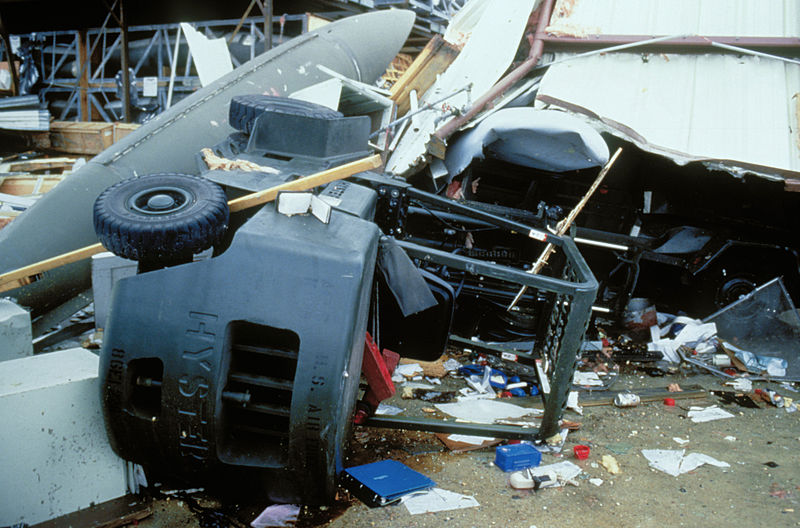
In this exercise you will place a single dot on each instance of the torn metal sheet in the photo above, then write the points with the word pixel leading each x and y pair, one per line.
pixel 210 56
pixel 738 115
pixel 541 139
pixel 486 56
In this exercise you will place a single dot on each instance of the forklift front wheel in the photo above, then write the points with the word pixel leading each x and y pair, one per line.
pixel 161 217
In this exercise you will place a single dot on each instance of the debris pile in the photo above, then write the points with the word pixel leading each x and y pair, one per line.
pixel 465 246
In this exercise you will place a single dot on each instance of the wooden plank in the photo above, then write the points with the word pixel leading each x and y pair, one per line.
pixel 432 60
pixel 416 66
pixel 28 274
pixel 110 514
pixel 41 165
pixel 83 82
pixel 309 182
pixel 595 398
pixel 27 185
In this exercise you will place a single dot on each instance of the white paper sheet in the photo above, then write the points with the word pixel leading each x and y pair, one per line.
pixel 483 411
pixel 699 415
pixel 468 439
pixel 590 379
pixel 277 515
pixel 565 470
pixel 436 500
pixel 673 462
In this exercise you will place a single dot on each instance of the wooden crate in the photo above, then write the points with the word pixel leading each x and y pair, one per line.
pixel 80 137
pixel 28 185
pixel 123 129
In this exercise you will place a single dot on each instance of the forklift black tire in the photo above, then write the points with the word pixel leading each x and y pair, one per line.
pixel 246 108
pixel 161 217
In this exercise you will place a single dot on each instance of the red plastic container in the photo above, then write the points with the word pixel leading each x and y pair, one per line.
pixel 669 401
pixel 581 452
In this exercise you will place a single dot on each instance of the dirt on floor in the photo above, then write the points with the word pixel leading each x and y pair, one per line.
pixel 761 486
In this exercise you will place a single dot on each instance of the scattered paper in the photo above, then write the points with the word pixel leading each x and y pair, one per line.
pixel 699 414
pixel 436 500
pixel 451 365
pixel 668 349
pixel 277 516
pixel 565 470
pixel 468 394
pixel 483 411
pixel 597 481
pixel 468 439
pixel 773 366
pixel 572 402
pixel 681 441
pixel 555 443
pixel 741 384
pixel 590 379
pixel 406 371
pixel 387 410
pixel 673 462
pixel 462 443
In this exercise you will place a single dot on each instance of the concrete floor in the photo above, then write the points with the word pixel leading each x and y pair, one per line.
pixel 761 486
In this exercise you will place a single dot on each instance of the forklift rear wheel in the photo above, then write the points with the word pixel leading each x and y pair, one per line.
pixel 246 108
pixel 161 217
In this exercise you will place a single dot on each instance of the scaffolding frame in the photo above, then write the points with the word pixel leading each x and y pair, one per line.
pixel 77 68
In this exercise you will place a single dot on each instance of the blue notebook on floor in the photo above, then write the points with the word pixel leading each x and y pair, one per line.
pixel 384 482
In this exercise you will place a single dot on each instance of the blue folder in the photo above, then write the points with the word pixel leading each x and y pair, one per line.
pixel 384 482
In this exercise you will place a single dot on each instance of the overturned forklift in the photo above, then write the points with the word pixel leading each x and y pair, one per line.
pixel 233 358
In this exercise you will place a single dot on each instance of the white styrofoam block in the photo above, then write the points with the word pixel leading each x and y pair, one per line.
pixel 16 339
pixel 107 269
pixel 55 457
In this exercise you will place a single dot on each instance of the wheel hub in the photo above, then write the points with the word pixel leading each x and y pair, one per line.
pixel 160 200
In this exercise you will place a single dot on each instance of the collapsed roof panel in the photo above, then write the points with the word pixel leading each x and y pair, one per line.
pixel 485 57
pixel 542 139
pixel 740 18
pixel 734 111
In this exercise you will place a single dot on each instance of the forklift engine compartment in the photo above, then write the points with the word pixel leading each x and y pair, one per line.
pixel 240 372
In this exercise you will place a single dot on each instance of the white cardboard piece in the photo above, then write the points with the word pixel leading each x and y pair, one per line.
pixel 708 414
pixel 211 56
pixel 673 462
pixel 436 500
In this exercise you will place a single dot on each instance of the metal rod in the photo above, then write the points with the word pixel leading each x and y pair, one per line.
pixel 267 25
pixel 413 423
pixel 409 115
pixel 751 52
pixel 565 224
pixel 241 21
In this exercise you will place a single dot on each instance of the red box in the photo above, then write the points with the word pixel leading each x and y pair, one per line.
pixel 581 452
